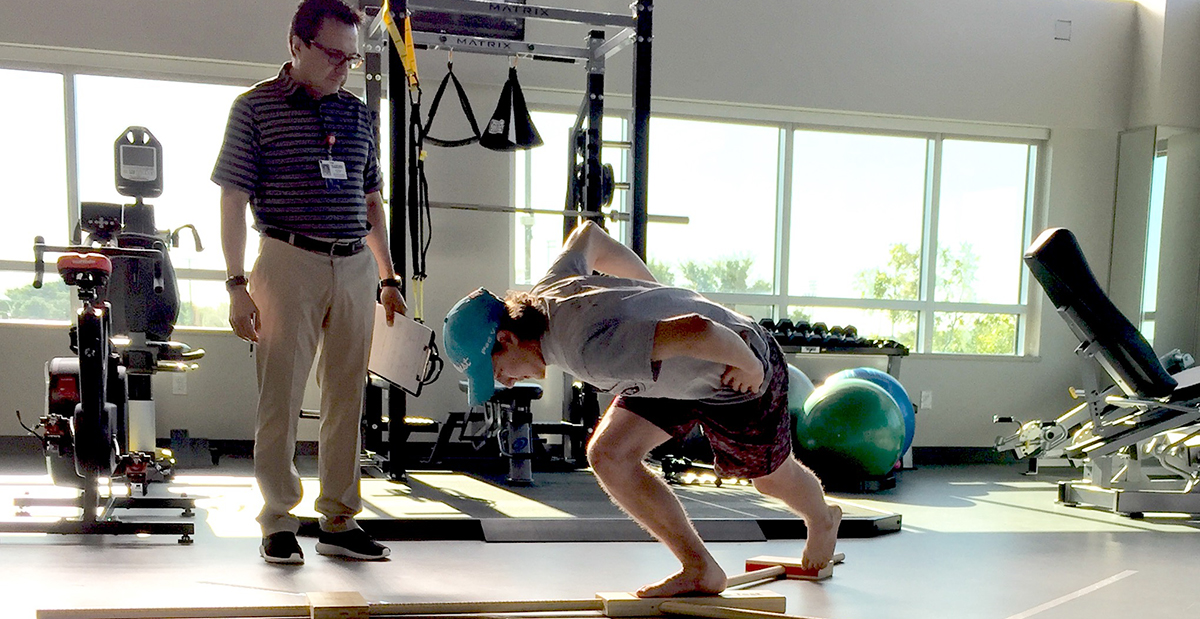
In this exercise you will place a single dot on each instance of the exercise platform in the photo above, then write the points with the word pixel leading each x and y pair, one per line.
pixel 571 507
pixel 566 506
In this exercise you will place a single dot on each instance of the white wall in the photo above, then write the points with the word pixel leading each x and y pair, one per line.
pixel 964 60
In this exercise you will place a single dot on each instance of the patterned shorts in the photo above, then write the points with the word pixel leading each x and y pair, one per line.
pixel 749 439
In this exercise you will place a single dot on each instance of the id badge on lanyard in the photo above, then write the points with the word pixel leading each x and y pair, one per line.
pixel 332 170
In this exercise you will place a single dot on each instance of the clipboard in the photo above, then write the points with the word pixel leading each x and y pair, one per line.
pixel 402 353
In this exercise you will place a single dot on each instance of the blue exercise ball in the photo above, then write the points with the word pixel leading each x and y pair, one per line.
pixel 894 389
pixel 849 427
pixel 799 387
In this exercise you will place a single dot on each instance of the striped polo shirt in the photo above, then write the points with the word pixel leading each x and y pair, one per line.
pixel 276 137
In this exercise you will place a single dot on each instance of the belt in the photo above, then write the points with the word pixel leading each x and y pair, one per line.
pixel 348 247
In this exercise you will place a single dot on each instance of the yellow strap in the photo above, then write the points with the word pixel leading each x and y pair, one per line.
pixel 418 300
pixel 404 45
pixel 409 53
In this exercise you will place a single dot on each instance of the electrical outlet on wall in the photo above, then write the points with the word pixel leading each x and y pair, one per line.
pixel 926 399
pixel 1062 30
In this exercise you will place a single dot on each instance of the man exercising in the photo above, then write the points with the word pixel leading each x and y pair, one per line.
pixel 673 359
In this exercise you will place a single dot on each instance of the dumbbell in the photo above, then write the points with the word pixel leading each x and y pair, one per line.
pixel 801 334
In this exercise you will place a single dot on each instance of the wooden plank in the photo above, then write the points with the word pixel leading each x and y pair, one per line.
pixel 216 612
pixel 353 606
pixel 792 567
pixel 679 607
pixel 485 607
pixel 337 605
pixel 620 604
pixel 303 611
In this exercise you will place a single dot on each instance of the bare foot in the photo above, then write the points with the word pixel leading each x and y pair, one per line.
pixel 687 582
pixel 822 538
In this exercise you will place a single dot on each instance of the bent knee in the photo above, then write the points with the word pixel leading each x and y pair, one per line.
pixel 601 455
pixel 605 454
pixel 778 480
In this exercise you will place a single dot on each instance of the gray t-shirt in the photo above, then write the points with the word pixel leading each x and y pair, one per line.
pixel 602 331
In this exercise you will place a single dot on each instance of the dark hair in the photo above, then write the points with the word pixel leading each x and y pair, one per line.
pixel 312 13
pixel 525 316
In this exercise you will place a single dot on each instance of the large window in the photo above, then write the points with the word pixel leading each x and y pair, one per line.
pixel 915 238
pixel 33 173
pixel 722 177
pixel 187 118
pixel 1158 180
pixel 856 214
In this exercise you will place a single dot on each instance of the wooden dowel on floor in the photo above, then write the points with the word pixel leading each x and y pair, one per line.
pixel 687 609
pixel 767 573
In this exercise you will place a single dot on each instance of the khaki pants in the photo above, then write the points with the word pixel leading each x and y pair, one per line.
pixel 303 297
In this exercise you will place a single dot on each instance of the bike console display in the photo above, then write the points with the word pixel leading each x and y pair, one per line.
pixel 138 157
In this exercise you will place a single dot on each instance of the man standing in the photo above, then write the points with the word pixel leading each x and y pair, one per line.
pixel 300 150
pixel 673 359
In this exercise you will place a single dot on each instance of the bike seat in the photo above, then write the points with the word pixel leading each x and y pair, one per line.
pixel 74 266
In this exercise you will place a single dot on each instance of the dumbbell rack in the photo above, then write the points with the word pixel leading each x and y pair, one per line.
pixel 817 338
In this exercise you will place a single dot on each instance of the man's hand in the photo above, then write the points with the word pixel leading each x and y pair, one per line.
pixel 392 302
pixel 745 381
pixel 693 335
pixel 243 314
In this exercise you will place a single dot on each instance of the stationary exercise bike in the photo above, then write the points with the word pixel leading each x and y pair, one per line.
pixel 99 420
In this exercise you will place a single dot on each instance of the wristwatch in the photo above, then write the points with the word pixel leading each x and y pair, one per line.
pixel 387 282
pixel 234 281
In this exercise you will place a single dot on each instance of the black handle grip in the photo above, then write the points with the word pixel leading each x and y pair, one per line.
pixel 158 274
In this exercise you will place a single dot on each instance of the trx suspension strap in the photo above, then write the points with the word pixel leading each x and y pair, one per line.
pixel 418 189
pixel 462 100
pixel 418 208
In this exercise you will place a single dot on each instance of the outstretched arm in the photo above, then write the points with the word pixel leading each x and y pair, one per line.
pixel 698 337
pixel 605 254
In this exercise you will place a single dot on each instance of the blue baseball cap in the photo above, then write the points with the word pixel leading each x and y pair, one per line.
pixel 468 335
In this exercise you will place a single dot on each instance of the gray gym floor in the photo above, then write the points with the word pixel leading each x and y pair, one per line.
pixel 979 541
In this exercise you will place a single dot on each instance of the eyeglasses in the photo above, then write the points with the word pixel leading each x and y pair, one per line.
pixel 338 58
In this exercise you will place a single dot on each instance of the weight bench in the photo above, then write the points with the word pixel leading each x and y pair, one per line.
pixel 508 416
pixel 1147 411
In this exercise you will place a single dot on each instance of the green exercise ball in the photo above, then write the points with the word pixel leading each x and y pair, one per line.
pixel 849 427
pixel 894 389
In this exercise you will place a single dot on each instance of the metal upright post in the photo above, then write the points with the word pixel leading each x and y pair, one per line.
pixel 373 51
pixel 640 148
pixel 571 203
pixel 398 206
pixel 593 139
